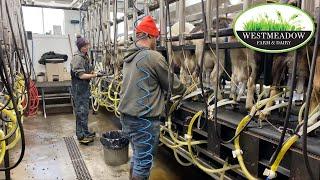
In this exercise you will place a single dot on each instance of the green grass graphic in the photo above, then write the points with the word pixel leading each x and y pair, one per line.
pixel 264 23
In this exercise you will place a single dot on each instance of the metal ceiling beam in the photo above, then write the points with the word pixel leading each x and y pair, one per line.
pixel 193 8
pixel 227 10
pixel 51 7
pixel 197 14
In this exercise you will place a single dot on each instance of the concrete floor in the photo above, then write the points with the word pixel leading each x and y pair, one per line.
pixel 47 157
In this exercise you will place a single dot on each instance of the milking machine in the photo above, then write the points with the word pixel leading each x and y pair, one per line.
pixel 19 95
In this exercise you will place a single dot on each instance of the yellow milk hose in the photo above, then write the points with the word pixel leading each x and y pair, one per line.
pixel 286 146
pixel 238 152
pixel 283 151
pixel 3 146
pixel 194 160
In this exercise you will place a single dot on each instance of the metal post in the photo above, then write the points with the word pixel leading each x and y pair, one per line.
pixel 146 7
pixel 177 10
pixel 43 31
pixel 247 4
pixel 135 17
pixel 115 24
pixel 162 23
pixel 181 22
pixel 209 20
pixel 308 5
pixel 108 8
pixel 126 42
pixel 316 8
pixel 115 35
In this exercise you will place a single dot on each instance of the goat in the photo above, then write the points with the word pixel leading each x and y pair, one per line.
pixel 185 59
pixel 281 65
pixel 210 65
pixel 315 96
pixel 244 71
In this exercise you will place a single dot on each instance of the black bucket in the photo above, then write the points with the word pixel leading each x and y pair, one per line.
pixel 115 147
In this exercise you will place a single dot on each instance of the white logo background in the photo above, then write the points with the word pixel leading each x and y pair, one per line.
pixel 270 9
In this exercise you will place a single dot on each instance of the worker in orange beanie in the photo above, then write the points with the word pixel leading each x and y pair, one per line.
pixel 145 80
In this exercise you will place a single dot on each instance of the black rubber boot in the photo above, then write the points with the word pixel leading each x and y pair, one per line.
pixel 91 135
pixel 130 172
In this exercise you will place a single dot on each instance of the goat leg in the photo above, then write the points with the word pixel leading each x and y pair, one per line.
pixel 273 92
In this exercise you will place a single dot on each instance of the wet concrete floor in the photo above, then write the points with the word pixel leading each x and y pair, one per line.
pixel 46 155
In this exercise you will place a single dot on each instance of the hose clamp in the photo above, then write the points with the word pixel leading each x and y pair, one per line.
pixel 187 137
pixel 271 174
pixel 237 152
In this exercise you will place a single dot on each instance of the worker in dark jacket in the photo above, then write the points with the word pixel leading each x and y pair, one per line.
pixel 142 98
pixel 81 73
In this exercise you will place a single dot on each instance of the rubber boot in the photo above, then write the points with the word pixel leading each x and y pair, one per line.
pixel 138 178
pixel 130 172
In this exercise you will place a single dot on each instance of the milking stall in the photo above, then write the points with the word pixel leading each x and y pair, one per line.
pixel 159 89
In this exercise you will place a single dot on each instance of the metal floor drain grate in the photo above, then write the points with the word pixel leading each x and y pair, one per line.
pixel 78 163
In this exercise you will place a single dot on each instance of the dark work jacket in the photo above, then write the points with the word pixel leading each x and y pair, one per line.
pixel 145 79
pixel 80 64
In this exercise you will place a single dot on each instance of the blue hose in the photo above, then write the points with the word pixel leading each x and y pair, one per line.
pixel 148 136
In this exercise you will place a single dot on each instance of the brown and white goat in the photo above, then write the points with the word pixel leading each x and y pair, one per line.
pixel 244 72
pixel 280 66
pixel 185 59
pixel 315 97
pixel 210 65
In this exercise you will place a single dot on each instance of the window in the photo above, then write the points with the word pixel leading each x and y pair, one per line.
pixel 42 20
pixel 53 17
pixel 33 19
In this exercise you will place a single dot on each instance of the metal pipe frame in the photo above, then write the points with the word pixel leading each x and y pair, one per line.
pixel 209 20
pixel 126 29
pixel 246 4
pixel 108 7
pixel 146 7
pixel 52 7
pixel 162 23
pixel 308 6
pixel 177 10
pixel 135 17
pixel 182 25
pixel 115 31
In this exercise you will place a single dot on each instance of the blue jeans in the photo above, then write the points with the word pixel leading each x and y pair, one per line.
pixel 81 99
pixel 144 138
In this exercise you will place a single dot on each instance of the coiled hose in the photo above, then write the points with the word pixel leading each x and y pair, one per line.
pixel 147 154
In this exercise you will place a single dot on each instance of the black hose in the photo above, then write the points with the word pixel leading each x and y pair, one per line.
pixel 308 99
pixel 288 112
pixel 205 35
pixel 218 78
pixel 25 73
pixel 15 41
pixel 169 51
pixel 218 137
pixel 3 77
